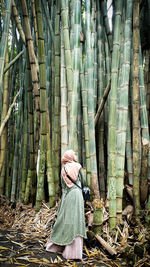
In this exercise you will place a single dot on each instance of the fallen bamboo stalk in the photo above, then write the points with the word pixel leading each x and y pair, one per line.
pixel 106 245
pixel 8 114
pixel 102 103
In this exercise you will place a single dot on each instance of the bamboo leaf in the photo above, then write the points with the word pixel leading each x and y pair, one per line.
pixel 4 248
pixel 87 252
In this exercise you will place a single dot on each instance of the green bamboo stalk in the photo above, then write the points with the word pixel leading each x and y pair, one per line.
pixel 20 154
pixel 49 67
pixel 106 23
pixel 31 175
pixel 101 85
pixel 3 43
pixel 148 98
pixel 10 143
pixel 129 153
pixel 34 69
pixel 71 16
pixel 75 90
pixel 25 149
pixel 85 121
pixel 90 83
pixel 17 21
pixel 50 177
pixel 48 20
pixel 146 81
pixel 35 23
pixel 16 152
pixel 135 110
pixel 63 86
pixel 112 116
pixel 10 136
pixel 64 14
pixel 122 117
pixel 3 139
pixel 92 145
pixel 43 110
pixel 0 24
pixel 144 134
pixel 147 91
pixel 81 146
pixel 57 100
pixel 108 74
pixel 95 50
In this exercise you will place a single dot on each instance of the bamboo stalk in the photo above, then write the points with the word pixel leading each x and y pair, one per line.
pixel 136 110
pixel 144 134
pixel 50 177
pixel 106 23
pixel 122 118
pixel 17 148
pixel 3 43
pixel 129 153
pixel 75 89
pixel 64 122
pixel 112 116
pixel 64 14
pixel 3 140
pixel 100 91
pixel 85 121
pixel 35 23
pixel 43 111
pixel 49 21
pixel 34 69
pixel 57 100
pixel 90 84
pixel 31 175
pixel 11 135
pixel 25 148
pixel 17 20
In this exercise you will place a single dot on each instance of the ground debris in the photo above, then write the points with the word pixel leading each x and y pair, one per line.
pixel 24 233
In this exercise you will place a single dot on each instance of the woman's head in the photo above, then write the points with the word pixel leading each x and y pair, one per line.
pixel 69 156
pixel 71 167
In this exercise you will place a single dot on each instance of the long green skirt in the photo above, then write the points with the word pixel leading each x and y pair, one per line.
pixel 70 221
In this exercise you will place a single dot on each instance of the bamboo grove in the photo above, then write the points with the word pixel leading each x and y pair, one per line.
pixel 73 77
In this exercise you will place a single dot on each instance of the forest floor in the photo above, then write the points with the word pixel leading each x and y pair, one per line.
pixel 24 233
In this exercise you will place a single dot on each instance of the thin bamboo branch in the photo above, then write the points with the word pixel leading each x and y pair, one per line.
pixel 13 61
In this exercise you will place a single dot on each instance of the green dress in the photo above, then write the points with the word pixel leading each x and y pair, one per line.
pixel 70 219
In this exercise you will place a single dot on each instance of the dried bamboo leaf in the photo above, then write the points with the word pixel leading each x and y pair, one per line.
pixel 59 259
pixel 3 259
pixel 4 248
pixel 87 252
pixel 74 264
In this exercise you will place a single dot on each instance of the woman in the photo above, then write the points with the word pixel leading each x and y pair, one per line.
pixel 69 229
